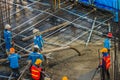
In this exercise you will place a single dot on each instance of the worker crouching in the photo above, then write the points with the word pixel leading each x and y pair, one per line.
pixel 36 70
pixel 33 56
pixel 105 64
pixel 14 65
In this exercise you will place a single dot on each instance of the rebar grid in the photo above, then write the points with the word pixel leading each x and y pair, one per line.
pixel 32 7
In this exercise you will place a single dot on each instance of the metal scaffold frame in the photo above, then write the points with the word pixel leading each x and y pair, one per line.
pixel 53 14
pixel 42 15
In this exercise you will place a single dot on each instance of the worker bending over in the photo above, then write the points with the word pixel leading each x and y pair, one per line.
pixel 107 43
pixel 33 56
pixel 36 70
pixel 8 37
pixel 105 64
pixel 14 65
pixel 38 40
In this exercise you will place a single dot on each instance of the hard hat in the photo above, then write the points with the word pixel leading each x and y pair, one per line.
pixel 35 31
pixel 12 50
pixel 36 46
pixel 38 61
pixel 7 26
pixel 64 78
pixel 109 35
pixel 104 50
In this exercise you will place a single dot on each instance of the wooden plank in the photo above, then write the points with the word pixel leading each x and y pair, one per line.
pixel 48 51
pixel 51 29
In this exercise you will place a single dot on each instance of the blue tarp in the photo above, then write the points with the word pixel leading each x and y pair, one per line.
pixel 85 1
pixel 110 5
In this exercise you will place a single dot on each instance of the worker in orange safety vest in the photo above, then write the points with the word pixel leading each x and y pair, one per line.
pixel 105 64
pixel 36 70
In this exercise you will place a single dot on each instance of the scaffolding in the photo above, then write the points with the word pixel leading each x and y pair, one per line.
pixel 37 13
pixel 83 24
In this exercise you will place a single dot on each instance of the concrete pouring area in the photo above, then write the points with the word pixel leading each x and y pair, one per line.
pixel 73 34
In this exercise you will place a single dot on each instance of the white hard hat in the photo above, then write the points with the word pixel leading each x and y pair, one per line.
pixel 35 30
pixel 36 46
pixel 7 26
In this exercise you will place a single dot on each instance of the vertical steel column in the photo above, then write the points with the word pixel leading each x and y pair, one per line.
pixel 1 16
pixel 9 12
pixel 115 53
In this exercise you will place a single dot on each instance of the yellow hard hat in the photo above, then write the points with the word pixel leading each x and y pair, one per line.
pixel 64 78
pixel 38 61
pixel 104 50
pixel 12 50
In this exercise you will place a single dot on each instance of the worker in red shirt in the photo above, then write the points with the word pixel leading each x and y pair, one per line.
pixel 36 70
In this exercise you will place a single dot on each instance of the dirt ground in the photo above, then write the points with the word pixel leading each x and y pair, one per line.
pixel 68 62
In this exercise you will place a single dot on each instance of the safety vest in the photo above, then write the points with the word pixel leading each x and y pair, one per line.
pixel 36 72
pixel 107 61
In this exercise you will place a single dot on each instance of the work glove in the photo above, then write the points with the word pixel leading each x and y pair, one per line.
pixel 29 61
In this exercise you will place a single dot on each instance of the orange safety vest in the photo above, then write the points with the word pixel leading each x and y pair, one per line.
pixel 107 61
pixel 36 72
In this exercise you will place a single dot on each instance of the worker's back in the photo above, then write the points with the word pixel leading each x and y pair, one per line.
pixel 34 55
pixel 13 58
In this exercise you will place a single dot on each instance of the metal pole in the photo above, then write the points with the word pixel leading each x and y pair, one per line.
pixel 27 21
pixel 93 25
pixel 59 4
pixel 30 26
pixel 84 34
pixel 83 16
pixel 109 27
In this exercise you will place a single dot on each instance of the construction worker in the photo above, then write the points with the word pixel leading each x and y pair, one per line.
pixel 38 40
pixel 8 37
pixel 36 70
pixel 35 55
pixel 64 78
pixel 107 43
pixel 105 64
pixel 14 65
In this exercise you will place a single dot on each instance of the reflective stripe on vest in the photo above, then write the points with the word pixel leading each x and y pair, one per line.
pixel 107 61
pixel 35 72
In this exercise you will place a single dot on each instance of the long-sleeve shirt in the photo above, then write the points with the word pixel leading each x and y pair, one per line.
pixel 7 38
pixel 13 59
pixel 34 55
pixel 38 40
pixel 107 43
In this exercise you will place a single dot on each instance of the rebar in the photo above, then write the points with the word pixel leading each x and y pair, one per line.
pixel 93 25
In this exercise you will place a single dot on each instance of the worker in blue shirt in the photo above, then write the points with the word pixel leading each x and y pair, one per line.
pixel 35 55
pixel 7 37
pixel 107 43
pixel 38 40
pixel 13 58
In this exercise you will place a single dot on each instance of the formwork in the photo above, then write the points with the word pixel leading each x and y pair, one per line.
pixel 83 25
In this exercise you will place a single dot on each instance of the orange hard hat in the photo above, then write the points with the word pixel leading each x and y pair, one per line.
pixel 109 35
pixel 12 50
